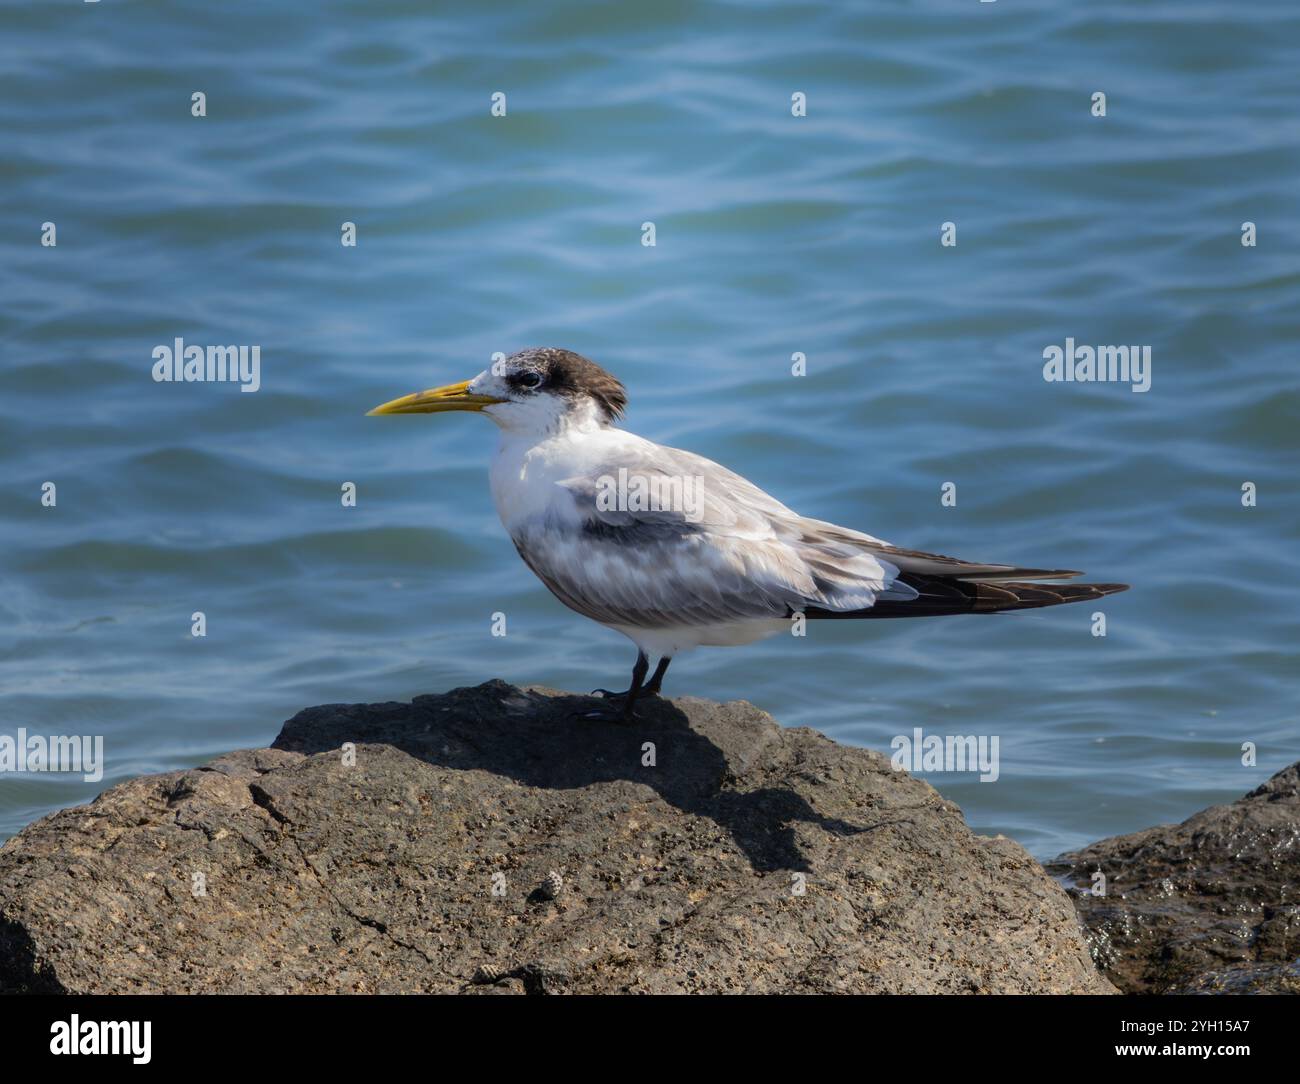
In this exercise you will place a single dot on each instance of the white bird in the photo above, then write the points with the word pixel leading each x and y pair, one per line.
pixel 677 552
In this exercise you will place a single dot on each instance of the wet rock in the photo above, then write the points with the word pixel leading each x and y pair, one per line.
pixel 1209 905
pixel 399 847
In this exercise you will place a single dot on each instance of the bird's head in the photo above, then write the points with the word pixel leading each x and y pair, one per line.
pixel 541 390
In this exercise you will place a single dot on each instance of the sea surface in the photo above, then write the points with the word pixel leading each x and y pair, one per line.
pixel 775 234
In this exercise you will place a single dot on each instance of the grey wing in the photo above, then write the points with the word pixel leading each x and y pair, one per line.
pixel 724 551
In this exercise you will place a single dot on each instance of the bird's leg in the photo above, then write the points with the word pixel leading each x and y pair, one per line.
pixel 638 676
pixel 652 686
pixel 637 688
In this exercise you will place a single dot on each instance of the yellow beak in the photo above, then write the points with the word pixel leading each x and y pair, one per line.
pixel 437 400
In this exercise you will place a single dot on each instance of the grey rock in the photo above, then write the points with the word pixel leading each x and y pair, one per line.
pixel 1209 905
pixel 551 887
pixel 399 847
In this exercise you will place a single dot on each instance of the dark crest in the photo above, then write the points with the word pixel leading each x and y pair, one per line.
pixel 571 375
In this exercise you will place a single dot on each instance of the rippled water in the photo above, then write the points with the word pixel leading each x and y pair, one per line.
pixel 775 234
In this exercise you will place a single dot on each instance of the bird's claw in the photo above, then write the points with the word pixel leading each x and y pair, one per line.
pixel 624 713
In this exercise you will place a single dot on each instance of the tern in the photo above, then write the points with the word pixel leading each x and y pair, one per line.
pixel 677 552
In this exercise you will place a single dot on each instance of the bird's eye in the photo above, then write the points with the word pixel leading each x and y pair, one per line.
pixel 530 380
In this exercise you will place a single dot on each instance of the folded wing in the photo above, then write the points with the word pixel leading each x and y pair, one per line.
pixel 714 548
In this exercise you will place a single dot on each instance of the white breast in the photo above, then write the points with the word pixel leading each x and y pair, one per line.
pixel 526 471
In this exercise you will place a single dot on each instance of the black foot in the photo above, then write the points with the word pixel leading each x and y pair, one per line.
pixel 621 709
pixel 642 693
pixel 638 690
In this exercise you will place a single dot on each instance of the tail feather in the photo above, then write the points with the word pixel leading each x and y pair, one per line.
pixel 938 596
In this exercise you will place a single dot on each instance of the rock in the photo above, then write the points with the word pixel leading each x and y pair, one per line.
pixel 399 847
pixel 551 887
pixel 1209 905
pixel 1248 979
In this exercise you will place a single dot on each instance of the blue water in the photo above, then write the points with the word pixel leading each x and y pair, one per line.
pixel 775 234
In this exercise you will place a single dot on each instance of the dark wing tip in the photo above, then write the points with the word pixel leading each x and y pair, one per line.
pixel 1046 594
pixel 1010 572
